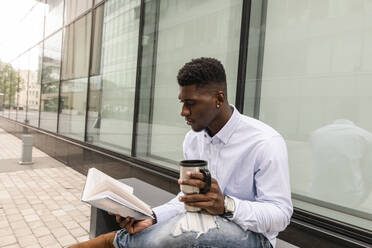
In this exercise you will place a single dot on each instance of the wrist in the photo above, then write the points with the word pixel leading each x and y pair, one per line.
pixel 229 207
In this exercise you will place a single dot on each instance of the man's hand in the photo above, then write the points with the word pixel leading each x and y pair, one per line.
pixel 212 201
pixel 132 225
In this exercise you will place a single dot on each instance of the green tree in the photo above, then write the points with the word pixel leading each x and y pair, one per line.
pixel 10 83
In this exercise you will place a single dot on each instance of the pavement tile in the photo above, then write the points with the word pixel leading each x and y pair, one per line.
pixel 35 224
pixel 11 246
pixel 32 217
pixel 7 240
pixel 27 240
pixel 5 231
pixel 67 240
pixel 15 217
pixel 41 231
pixel 21 232
pixel 59 232
pixel 83 238
pixel 47 241
pixel 78 231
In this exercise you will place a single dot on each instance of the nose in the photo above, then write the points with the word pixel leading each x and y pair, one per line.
pixel 185 111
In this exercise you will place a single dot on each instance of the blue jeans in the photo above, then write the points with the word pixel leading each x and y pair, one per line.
pixel 225 234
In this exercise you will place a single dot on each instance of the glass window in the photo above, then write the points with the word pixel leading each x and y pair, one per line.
pixel 76 47
pixel 9 89
pixel 74 8
pixel 23 87
pixel 75 65
pixel 50 82
pixel 111 106
pixel 207 29
pixel 73 108
pixel 2 87
pixel 34 85
pixel 31 26
pixel 54 16
pixel 317 92
pixel 13 89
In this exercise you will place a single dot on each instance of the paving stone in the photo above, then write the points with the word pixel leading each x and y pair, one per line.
pixel 78 231
pixel 83 238
pixel 21 232
pixel 67 240
pixel 27 240
pixel 41 231
pixel 7 240
pixel 47 241
pixel 5 231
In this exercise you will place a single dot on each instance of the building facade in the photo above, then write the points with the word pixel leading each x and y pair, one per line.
pixel 95 82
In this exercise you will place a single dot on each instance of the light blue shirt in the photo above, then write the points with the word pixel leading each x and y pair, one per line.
pixel 249 160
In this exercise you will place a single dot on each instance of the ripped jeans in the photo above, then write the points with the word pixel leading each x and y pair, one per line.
pixel 191 230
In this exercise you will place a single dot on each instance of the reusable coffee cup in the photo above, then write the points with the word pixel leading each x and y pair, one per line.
pixel 193 166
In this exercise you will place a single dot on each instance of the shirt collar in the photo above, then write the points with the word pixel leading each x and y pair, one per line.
pixel 227 130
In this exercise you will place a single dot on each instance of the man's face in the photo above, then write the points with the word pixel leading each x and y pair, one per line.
pixel 198 106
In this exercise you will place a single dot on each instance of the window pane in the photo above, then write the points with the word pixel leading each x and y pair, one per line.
pixel 31 26
pixel 76 46
pixel 54 16
pixel 33 100
pixel 2 88
pixel 52 58
pixel 206 29
pixel 23 85
pixel 317 92
pixel 14 78
pixel 97 41
pixel 73 108
pixel 111 103
pixel 74 8
pixel 50 82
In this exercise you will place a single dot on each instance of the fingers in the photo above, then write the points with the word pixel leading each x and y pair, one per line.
pixel 129 226
pixel 198 175
pixel 192 182
pixel 199 197
pixel 123 221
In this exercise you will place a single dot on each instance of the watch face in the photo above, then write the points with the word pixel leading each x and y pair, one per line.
pixel 229 205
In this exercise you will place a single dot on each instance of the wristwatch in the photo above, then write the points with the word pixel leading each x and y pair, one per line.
pixel 229 204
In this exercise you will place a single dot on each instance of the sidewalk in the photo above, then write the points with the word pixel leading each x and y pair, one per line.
pixel 40 203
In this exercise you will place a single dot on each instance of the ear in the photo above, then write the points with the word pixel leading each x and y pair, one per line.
pixel 220 97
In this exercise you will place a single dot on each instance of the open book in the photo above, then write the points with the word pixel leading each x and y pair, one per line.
pixel 107 193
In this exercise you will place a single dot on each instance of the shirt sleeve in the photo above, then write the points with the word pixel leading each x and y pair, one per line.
pixel 272 209
pixel 174 206
pixel 169 209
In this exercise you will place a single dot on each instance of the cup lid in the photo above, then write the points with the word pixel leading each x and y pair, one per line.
pixel 193 163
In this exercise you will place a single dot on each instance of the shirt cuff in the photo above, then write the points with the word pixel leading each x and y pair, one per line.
pixel 161 213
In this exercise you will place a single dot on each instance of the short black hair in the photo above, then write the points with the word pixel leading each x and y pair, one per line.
pixel 201 71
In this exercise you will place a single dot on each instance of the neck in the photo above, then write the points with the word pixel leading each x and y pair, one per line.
pixel 221 119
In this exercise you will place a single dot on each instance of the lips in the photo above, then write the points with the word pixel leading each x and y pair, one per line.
pixel 189 122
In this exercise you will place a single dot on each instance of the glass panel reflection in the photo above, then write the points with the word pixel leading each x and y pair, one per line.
pixel 23 86
pixel 76 48
pixel 73 108
pixel 111 106
pixel 317 92
pixel 33 99
pixel 74 8
pixel 50 82
pixel 54 16
pixel 210 29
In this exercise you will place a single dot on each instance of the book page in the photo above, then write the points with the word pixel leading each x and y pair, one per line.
pixel 109 194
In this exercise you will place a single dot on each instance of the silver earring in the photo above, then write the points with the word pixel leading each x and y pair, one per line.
pixel 218 106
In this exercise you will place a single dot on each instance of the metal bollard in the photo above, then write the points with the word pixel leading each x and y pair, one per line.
pixel 27 143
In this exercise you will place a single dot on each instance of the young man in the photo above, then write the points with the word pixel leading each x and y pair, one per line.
pixel 249 199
